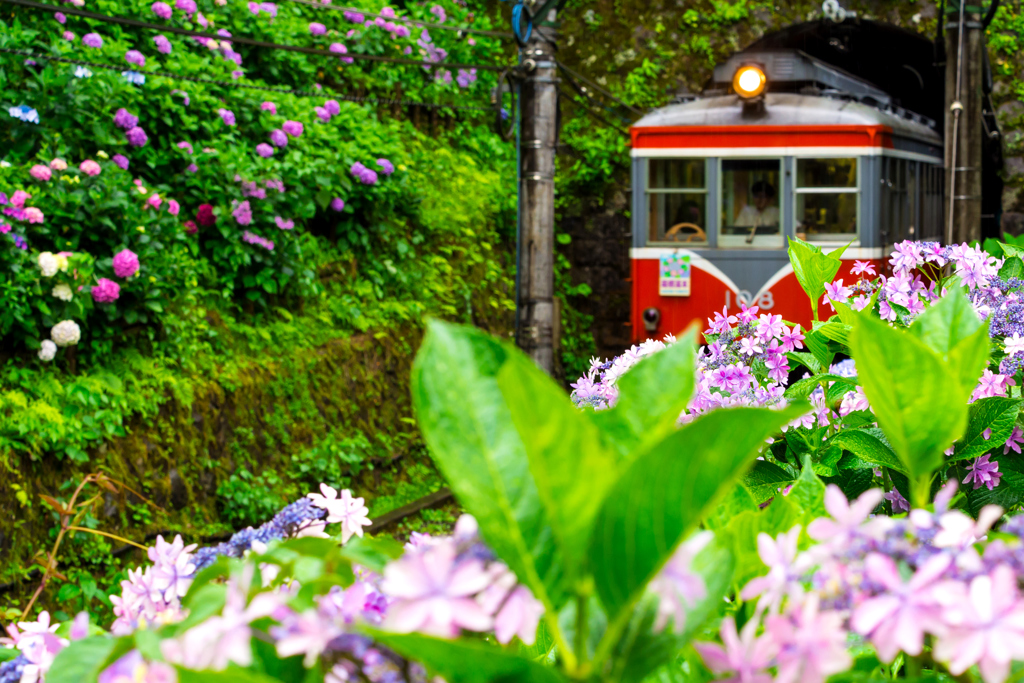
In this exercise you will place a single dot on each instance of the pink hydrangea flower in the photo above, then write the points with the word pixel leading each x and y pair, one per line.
pixel 983 472
pixel 19 198
pixel 745 656
pixel 135 57
pixel 105 291
pixel 126 263
pixel 59 16
pixel 317 29
pixel 173 207
pixel 811 643
pixel 58 164
pixel 284 224
pixel 337 204
pixel 349 511
pixel 155 201
pixel 293 128
pixel 264 150
pixel 40 173
pixel 90 167
pixel 33 215
pixel 433 593
pixel 162 10
pixel 269 106
pixel 243 213
pixel 846 517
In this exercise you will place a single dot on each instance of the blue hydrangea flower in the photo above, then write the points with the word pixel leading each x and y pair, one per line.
pixel 24 113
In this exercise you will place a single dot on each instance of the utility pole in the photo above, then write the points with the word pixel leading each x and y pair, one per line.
pixel 965 39
pixel 537 192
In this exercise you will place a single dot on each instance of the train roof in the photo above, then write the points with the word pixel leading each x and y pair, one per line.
pixel 786 109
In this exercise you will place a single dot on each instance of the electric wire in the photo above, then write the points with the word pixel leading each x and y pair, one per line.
pixel 591 112
pixel 244 41
pixel 596 87
pixel 956 120
pixel 583 92
pixel 407 20
pixel 234 84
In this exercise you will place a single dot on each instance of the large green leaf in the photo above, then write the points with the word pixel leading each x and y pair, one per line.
pixel 652 394
pixel 562 443
pixel 994 413
pixel 907 384
pixel 780 516
pixel 765 479
pixel 808 493
pixel 232 675
pixel 813 268
pixel 946 323
pixel 664 494
pixel 82 660
pixel 803 388
pixel 869 445
pixel 641 650
pixel 460 661
pixel 469 431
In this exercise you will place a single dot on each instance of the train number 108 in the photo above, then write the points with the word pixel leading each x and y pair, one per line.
pixel 765 302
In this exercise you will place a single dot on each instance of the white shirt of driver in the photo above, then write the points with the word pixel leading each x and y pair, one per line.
pixel 750 216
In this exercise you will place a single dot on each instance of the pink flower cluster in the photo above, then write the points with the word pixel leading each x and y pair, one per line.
pixel 963 596
pixel 153 595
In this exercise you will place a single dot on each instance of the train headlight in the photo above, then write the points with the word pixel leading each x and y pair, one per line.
pixel 749 81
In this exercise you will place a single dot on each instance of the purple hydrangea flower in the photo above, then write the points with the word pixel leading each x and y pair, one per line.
pixel 185 145
pixel 121 161
pixel 223 33
pixel 59 16
pixel 293 128
pixel 284 224
pixel 332 107
pixel 264 150
pixel 983 473
pixel 227 115
pixel 201 20
pixel 236 74
pixel 137 137
pixel 337 203
pixel 92 40
pixel 105 291
pixel 386 166
pixel 163 46
pixel 278 137
pixel 269 106
pixel 269 7
pixel 338 48
pixel 135 57
pixel 261 241
pixel 322 114
pixel 69 36
pixel 126 263
pixel 186 6
pixel 365 175
pixel 192 168
pixel 125 120
pixel 161 9
pixel 243 213
pixel 317 29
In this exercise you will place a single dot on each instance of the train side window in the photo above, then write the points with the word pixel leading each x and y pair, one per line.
pixel 677 197
pixel 751 214
pixel 826 199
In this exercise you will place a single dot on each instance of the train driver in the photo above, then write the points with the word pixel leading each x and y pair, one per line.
pixel 763 212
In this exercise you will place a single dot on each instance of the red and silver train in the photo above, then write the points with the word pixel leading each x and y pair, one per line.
pixel 780 144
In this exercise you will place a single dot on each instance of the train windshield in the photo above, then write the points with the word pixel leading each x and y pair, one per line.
pixel 677 196
pixel 826 199
pixel 751 215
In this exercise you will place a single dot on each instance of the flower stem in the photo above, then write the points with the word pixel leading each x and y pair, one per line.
pixel 921 491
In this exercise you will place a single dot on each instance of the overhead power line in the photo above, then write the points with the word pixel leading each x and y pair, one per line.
pixel 242 40
pixel 235 84
pixel 407 20
pixel 597 87
pixel 591 112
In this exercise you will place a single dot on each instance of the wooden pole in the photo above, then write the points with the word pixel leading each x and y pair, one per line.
pixel 964 43
pixel 537 190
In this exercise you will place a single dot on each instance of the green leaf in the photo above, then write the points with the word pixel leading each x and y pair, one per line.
pixel 652 394
pixel 82 660
pixel 738 499
pixel 808 493
pixel 460 661
pixel 908 387
pixel 870 445
pixel 818 345
pixel 232 675
pixel 996 413
pixel 469 431
pixel 641 650
pixel 837 332
pixel 765 479
pixel 665 493
pixel 780 516
pixel 946 323
pixel 1013 267
pixel 561 442
pixel 803 388
pixel 813 268
pixel 372 552
pixel 807 360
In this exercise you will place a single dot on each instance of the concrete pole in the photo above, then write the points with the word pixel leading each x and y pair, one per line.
pixel 537 192
pixel 963 121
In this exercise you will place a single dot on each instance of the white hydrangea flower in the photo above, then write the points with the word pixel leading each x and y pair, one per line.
pixel 63 292
pixel 66 333
pixel 48 350
pixel 48 263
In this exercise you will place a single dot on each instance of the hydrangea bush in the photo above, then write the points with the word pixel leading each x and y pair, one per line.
pixel 612 545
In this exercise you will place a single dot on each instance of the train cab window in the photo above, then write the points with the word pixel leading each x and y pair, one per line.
pixel 677 197
pixel 751 215
pixel 826 199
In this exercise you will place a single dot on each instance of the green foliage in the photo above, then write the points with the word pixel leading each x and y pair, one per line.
pixel 813 269
pixel 512 447
pixel 918 382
